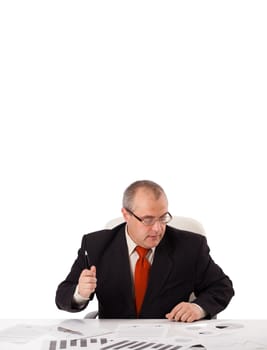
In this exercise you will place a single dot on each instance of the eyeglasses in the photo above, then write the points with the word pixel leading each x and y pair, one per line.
pixel 150 220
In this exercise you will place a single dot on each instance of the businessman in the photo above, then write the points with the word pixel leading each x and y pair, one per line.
pixel 145 268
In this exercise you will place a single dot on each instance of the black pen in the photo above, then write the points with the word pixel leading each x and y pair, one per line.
pixel 87 260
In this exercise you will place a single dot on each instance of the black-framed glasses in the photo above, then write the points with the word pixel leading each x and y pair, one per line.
pixel 150 220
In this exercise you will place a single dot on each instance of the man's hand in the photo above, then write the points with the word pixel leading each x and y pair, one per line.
pixel 185 312
pixel 87 282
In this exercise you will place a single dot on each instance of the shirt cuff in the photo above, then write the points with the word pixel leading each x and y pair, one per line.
pixel 78 299
pixel 203 312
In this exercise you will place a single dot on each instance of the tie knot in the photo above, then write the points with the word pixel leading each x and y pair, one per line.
pixel 142 252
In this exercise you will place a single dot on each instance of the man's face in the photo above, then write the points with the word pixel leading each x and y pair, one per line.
pixel 146 205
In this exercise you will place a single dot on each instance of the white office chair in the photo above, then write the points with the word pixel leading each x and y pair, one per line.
pixel 180 222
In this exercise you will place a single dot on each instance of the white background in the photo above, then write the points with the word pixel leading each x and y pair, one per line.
pixel 97 94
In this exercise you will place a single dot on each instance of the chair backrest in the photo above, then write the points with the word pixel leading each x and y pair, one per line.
pixel 180 222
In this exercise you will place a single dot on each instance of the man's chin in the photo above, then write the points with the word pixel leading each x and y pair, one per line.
pixel 153 241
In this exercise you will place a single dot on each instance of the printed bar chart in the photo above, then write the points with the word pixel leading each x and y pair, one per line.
pixel 83 343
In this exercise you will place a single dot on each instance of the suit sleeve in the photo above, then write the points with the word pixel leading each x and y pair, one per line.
pixel 213 288
pixel 66 289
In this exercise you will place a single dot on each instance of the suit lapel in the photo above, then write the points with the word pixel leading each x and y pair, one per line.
pixel 119 269
pixel 162 266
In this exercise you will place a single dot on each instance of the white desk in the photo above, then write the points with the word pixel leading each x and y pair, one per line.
pixel 133 335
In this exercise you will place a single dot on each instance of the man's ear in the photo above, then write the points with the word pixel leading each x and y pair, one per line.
pixel 125 214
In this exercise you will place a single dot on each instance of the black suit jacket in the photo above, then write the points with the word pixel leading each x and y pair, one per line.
pixel 181 265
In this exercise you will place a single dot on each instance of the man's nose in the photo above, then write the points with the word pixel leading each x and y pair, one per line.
pixel 157 226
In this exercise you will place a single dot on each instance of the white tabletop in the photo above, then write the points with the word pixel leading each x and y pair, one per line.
pixel 129 334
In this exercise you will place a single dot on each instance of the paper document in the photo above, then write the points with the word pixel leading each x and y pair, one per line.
pixel 141 330
pixel 23 333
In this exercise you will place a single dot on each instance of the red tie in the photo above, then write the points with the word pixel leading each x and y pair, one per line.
pixel 141 274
